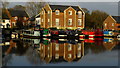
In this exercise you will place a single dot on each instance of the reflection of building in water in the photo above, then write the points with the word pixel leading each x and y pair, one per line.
pixel 110 43
pixel 61 52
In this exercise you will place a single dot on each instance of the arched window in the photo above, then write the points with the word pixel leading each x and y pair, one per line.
pixel 57 12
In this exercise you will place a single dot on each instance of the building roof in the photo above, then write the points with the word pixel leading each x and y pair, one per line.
pixel 19 13
pixel 116 18
pixel 37 16
pixel 63 7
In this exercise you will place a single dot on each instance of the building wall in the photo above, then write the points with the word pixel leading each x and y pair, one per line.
pixel 13 21
pixel 42 18
pixel 5 22
pixel 68 16
pixel 63 19
pixel 82 18
pixel 48 16
pixel 110 24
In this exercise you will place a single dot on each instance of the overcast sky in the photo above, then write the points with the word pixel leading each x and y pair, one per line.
pixel 64 0
pixel 109 7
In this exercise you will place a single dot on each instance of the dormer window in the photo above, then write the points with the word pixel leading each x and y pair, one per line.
pixel 79 14
pixel 57 12
pixel 16 18
pixel 70 12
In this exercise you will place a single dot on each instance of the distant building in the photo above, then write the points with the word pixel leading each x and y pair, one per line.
pixel 37 20
pixel 11 16
pixel 112 23
pixel 5 21
pixel 62 17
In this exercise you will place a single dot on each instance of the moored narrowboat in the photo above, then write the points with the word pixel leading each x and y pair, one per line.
pixel 31 33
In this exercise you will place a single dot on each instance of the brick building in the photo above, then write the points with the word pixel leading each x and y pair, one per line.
pixel 14 16
pixel 62 17
pixel 112 23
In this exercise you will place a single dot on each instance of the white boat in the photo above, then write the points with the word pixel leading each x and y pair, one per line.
pixel 31 33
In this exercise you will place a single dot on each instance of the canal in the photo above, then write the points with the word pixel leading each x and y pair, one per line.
pixel 61 52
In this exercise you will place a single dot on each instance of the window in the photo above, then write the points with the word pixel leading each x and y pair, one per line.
pixel 48 12
pixel 70 22
pixel 57 22
pixel 112 24
pixel 48 20
pixel 25 18
pixel 13 23
pixel 69 47
pixel 16 18
pixel 57 47
pixel 69 55
pixel 42 12
pixel 80 22
pixel 56 56
pixel 70 12
pixel 105 24
pixel 57 12
pixel 42 20
pixel 79 14
pixel 79 54
pixel 79 46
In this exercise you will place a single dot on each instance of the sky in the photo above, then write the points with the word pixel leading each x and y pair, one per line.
pixel 109 7
pixel 63 0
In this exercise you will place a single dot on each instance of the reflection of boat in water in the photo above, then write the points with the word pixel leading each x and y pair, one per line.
pixel 110 43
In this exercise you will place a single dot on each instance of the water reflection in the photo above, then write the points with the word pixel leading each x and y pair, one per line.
pixel 46 51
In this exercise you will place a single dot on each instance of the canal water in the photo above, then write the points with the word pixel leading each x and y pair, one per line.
pixel 61 52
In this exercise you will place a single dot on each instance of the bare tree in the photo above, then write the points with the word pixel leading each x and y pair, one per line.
pixel 33 8
pixel 4 3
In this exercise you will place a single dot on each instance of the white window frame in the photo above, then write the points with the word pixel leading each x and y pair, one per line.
pixel 79 46
pixel 57 12
pixel 79 54
pixel 48 12
pixel 69 56
pixel 79 14
pixel 16 18
pixel 105 24
pixel 57 20
pixel 112 24
pixel 48 20
pixel 70 22
pixel 25 18
pixel 42 19
pixel 56 56
pixel 57 47
pixel 70 12
pixel 79 22
pixel 69 47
